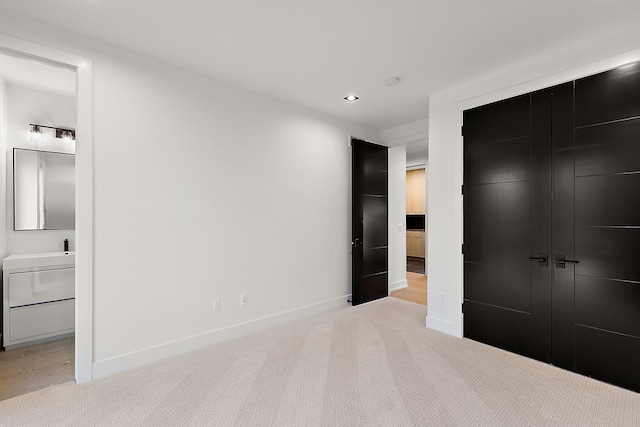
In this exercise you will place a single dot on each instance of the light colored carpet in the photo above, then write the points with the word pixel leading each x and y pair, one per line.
pixel 371 365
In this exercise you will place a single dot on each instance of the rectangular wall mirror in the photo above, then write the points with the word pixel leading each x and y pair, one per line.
pixel 43 190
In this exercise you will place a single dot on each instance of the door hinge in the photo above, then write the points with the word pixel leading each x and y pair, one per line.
pixel 462 248
pixel 462 130
pixel 463 307
pixel 462 189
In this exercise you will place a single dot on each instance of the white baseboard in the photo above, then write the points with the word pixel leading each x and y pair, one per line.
pixel 396 286
pixel 444 326
pixel 104 368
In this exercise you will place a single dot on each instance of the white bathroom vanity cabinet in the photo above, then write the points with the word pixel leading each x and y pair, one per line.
pixel 38 298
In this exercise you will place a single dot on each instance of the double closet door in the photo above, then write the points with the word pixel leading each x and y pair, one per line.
pixel 552 225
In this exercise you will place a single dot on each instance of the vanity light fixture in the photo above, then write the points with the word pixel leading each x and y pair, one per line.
pixel 351 98
pixel 67 134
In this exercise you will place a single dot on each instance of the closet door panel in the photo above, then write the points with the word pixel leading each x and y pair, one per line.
pixel 497 244
pixel 608 356
pixel 498 327
pixel 607 200
pixel 607 226
pixel 610 305
pixel 608 96
pixel 506 174
pixel 498 286
pixel 500 121
pixel 610 253
pixel 502 203
pixel 563 227
pixel 498 162
pixel 608 148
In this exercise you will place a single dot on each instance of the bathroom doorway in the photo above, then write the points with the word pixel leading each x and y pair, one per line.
pixel 38 117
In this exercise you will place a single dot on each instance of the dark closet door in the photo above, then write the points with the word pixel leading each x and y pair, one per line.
pixel 369 266
pixel 565 182
pixel 507 224
pixel 596 313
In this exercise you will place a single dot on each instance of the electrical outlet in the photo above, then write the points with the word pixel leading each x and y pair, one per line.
pixel 216 304
pixel 243 299
pixel 441 296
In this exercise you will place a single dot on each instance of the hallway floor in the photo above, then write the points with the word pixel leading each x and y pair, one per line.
pixel 35 367
pixel 415 265
pixel 416 291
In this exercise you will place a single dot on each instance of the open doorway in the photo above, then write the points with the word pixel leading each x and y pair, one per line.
pixel 37 217
pixel 416 226
pixel 416 219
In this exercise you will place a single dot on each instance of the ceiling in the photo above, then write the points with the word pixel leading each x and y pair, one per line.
pixel 314 53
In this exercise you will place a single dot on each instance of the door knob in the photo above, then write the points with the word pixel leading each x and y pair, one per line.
pixel 561 261
pixel 541 258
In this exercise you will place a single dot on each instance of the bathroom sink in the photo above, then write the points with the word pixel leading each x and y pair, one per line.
pixel 45 259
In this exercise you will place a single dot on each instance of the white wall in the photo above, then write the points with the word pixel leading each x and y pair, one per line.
pixel 3 182
pixel 397 218
pixel 407 133
pixel 3 171
pixel 25 106
pixel 202 190
pixel 417 160
pixel 445 263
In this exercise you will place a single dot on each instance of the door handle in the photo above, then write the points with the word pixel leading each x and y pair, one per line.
pixel 357 242
pixel 561 261
pixel 541 258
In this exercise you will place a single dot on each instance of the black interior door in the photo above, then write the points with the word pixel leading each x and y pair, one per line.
pixel 596 322
pixel 574 175
pixel 369 244
pixel 506 223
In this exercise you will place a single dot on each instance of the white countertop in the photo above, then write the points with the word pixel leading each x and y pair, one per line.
pixel 44 259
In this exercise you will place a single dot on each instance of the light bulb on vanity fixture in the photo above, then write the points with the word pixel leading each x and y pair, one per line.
pixel 67 135
pixel 35 133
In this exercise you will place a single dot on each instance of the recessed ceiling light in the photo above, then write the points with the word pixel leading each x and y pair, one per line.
pixel 351 98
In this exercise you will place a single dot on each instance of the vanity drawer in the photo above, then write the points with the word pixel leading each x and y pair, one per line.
pixel 42 320
pixel 35 287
